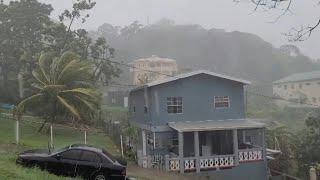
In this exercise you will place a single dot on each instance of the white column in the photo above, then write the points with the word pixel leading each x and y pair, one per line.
pixel 180 134
pixel 196 150
pixel 144 143
pixel 235 146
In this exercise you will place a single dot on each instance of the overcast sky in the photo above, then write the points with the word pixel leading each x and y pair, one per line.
pixel 222 14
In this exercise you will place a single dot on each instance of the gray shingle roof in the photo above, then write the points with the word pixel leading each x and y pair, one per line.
pixel 300 77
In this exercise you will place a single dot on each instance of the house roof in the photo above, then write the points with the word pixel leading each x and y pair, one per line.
pixel 299 77
pixel 186 75
pixel 209 125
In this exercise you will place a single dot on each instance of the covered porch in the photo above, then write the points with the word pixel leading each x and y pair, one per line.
pixel 215 145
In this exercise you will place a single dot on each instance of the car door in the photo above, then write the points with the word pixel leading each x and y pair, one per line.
pixel 89 164
pixel 66 162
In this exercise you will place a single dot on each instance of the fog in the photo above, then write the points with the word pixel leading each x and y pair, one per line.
pixel 227 15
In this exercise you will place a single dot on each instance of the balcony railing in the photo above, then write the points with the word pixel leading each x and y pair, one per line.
pixel 214 162
pixel 248 155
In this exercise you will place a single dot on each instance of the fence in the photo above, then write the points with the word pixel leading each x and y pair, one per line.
pixel 62 135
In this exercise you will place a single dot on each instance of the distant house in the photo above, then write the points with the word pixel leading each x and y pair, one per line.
pixel 161 66
pixel 196 123
pixel 301 87
pixel 115 96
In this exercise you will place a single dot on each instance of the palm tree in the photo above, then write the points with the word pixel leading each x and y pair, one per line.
pixel 64 87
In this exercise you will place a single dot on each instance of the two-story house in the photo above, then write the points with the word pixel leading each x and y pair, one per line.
pixel 196 122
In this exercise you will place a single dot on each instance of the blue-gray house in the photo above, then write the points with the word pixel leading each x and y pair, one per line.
pixel 196 123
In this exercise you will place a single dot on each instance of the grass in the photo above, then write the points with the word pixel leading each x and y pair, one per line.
pixel 31 139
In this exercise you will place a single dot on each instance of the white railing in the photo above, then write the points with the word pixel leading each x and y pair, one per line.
pixel 190 164
pixel 173 164
pixel 221 161
pixel 248 155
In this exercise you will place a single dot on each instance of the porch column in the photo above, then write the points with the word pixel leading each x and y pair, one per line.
pixel 180 134
pixel 196 150
pixel 236 147
pixel 144 143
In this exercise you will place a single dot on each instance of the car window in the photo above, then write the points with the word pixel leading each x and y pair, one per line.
pixel 90 156
pixel 71 154
pixel 106 153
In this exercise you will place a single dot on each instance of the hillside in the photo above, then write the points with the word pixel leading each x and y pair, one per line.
pixel 235 53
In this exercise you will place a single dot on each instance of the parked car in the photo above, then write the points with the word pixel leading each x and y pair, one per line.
pixel 76 161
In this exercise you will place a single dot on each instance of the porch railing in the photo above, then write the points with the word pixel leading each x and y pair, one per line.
pixel 205 163
pixel 213 162
pixel 248 155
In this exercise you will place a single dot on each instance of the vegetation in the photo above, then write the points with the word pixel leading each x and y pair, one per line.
pixel 30 139
pixel 26 31
pixel 64 88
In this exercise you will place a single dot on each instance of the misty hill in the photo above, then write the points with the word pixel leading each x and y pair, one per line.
pixel 235 53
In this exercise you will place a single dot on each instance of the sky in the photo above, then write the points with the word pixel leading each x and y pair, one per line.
pixel 220 14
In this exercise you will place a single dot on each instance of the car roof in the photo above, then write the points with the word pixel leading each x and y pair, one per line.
pixel 85 147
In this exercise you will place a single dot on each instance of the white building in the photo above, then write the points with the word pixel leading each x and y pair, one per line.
pixel 152 68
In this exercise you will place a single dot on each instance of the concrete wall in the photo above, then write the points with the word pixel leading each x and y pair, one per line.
pixel 245 171
pixel 294 90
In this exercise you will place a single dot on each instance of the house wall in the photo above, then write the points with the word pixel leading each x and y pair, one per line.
pixel 198 99
pixel 294 90
pixel 245 171
pixel 137 101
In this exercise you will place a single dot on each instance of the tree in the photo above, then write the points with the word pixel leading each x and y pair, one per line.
pixel 22 27
pixel 280 138
pixel 64 88
pixel 295 34
pixel 308 150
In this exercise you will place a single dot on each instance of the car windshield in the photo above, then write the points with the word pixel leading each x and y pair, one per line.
pixel 105 152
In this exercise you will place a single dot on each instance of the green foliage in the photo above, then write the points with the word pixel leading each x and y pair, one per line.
pixel 308 142
pixel 280 138
pixel 64 87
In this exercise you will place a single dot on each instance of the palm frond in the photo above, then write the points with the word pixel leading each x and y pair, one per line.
pixel 71 108
pixel 44 63
pixel 30 101
pixel 87 92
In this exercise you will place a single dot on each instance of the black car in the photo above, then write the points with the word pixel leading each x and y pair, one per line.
pixel 76 161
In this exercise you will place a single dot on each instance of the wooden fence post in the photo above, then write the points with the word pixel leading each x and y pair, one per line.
pixel 17 132
pixel 85 137
pixel 51 137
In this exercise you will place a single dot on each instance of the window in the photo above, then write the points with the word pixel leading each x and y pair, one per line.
pixel 308 84
pixel 174 105
pixel 221 102
pixel 134 109
pixel 71 154
pixel 145 109
pixel 90 157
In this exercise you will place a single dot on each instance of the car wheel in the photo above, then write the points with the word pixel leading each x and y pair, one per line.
pixel 99 176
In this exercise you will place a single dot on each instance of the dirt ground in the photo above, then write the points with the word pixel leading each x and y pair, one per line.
pixel 153 174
